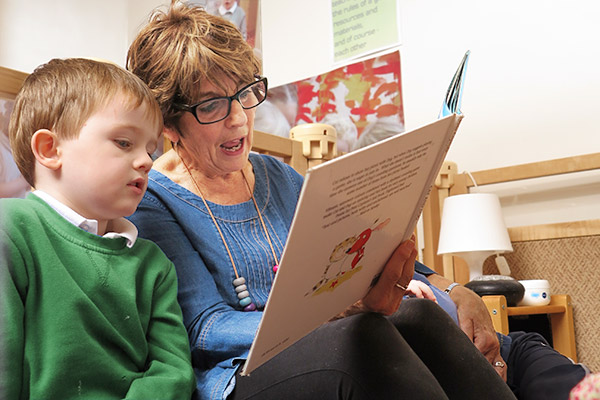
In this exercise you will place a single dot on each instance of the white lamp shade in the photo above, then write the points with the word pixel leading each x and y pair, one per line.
pixel 473 222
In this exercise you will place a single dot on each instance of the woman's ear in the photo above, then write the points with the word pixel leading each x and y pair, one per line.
pixel 44 145
pixel 172 134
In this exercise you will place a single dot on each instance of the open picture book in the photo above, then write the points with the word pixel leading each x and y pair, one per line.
pixel 352 213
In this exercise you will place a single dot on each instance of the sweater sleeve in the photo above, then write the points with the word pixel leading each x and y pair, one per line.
pixel 169 374
pixel 14 282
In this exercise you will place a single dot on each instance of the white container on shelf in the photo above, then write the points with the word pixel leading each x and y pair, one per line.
pixel 537 292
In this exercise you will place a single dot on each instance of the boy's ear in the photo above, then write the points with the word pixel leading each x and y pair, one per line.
pixel 44 144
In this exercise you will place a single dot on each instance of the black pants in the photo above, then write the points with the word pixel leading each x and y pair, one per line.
pixel 538 372
pixel 417 353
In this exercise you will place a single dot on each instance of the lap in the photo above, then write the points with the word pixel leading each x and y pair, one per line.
pixel 418 352
pixel 358 357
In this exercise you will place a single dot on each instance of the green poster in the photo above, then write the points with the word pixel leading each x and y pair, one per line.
pixel 363 26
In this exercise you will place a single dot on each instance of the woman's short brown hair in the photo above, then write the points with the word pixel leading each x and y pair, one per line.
pixel 61 96
pixel 184 46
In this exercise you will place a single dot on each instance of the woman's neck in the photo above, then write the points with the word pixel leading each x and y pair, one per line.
pixel 225 189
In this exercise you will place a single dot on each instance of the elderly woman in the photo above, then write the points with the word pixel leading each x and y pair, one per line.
pixel 222 215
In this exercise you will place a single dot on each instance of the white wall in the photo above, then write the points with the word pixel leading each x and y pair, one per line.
pixel 139 12
pixel 533 83
pixel 34 31
pixel 532 90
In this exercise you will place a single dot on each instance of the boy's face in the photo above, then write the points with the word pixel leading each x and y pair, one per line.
pixel 104 172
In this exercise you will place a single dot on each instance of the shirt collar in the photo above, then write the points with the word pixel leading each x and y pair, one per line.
pixel 223 10
pixel 119 227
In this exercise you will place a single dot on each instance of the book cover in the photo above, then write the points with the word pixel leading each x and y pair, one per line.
pixel 352 213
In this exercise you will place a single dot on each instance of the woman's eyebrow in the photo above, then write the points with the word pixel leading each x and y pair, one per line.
pixel 209 95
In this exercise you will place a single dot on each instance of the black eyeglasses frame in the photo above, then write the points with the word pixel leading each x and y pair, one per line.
pixel 191 108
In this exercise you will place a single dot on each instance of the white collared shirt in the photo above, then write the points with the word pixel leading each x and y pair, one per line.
pixel 121 226
pixel 223 10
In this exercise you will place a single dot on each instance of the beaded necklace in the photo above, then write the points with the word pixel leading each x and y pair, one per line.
pixel 239 283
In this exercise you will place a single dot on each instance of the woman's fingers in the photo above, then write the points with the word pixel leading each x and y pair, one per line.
pixel 385 296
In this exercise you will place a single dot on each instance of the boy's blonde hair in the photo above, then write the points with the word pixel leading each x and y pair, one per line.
pixel 181 48
pixel 61 96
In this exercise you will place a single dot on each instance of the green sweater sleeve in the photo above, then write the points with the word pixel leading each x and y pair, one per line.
pixel 12 314
pixel 169 374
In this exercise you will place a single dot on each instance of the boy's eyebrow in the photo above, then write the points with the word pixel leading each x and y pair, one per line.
pixel 136 129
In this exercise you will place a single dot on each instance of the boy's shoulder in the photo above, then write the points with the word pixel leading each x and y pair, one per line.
pixel 26 219
pixel 12 208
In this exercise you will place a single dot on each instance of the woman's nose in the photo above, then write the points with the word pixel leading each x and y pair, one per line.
pixel 237 116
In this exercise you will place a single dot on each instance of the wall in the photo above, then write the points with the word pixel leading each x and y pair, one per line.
pixel 138 14
pixel 531 91
pixel 533 79
pixel 34 31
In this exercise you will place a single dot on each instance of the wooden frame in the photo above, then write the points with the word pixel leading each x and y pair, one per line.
pixel 288 149
pixel 450 183
pixel 10 82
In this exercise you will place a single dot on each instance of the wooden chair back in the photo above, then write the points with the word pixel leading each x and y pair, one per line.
pixel 567 254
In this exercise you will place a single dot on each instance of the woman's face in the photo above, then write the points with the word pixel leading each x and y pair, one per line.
pixel 222 147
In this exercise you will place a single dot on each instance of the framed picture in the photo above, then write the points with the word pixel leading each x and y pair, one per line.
pixel 362 101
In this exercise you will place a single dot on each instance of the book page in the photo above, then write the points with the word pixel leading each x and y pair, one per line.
pixel 352 213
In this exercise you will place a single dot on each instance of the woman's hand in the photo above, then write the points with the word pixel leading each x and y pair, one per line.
pixel 385 296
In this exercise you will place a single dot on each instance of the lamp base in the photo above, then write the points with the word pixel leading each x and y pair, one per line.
pixel 475 261
pixel 507 286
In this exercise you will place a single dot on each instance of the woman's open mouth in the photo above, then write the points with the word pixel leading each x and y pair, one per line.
pixel 233 145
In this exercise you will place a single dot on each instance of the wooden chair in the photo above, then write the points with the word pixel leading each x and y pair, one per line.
pixel 450 182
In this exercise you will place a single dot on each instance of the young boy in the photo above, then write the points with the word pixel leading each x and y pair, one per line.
pixel 87 310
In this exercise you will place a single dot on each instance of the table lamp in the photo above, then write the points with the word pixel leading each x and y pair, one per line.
pixel 473 228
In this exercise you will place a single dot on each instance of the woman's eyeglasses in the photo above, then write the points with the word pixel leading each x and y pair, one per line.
pixel 218 108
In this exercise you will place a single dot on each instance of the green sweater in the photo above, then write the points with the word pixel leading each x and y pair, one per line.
pixel 86 317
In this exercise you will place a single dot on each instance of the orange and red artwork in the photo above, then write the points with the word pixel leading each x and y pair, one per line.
pixel 362 93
